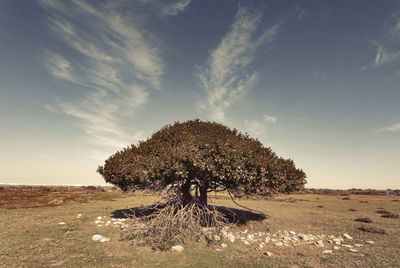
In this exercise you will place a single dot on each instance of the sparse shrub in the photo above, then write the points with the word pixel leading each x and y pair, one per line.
pixel 390 216
pixel 371 229
pixel 383 212
pixel 366 220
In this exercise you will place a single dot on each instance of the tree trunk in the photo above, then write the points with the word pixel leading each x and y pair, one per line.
pixel 185 189
pixel 203 195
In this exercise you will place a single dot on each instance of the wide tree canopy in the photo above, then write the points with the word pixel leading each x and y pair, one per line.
pixel 195 157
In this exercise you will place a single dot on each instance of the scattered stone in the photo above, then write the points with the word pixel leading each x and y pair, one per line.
pixel 278 244
pixel 327 251
pixel 216 238
pixel 336 247
pixel 104 239
pixel 224 245
pixel 250 237
pixel 246 242
pixel 347 246
pixel 319 244
pixel 218 249
pixel 347 236
pixel 96 237
pixel 79 215
pixel 268 254
pixel 231 237
pixel 177 248
pixel 286 238
pixel 370 242
pixel 366 220
pixel 267 239
pixel 99 217
pixel 292 232
pixel 56 202
pixel 61 223
pixel 358 245
pixel 353 250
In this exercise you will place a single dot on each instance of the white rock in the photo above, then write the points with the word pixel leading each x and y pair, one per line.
pixel 278 244
pixel 327 251
pixel 347 246
pixel 96 237
pixel 267 239
pixel 246 242
pixel 224 233
pixel 358 245
pixel 224 245
pixel 353 250
pixel 292 232
pixel 267 253
pixel 260 245
pixel 97 222
pixel 250 237
pixel 348 236
pixel 319 244
pixel 216 237
pixel 99 217
pixel 218 249
pixel 370 242
pixel 336 247
pixel 177 248
pixel 231 237
pixel 286 238
pixel 79 215
pixel 61 223
pixel 104 239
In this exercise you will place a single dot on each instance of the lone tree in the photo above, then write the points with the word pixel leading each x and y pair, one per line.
pixel 196 157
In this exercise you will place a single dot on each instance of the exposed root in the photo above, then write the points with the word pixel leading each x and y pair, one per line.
pixel 172 223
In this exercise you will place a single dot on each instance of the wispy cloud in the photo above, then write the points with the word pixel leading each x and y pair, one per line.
pixel 387 49
pixel 298 12
pixel 258 127
pixel 115 65
pixel 392 128
pixel 227 76
pixel 270 119
pixel 173 9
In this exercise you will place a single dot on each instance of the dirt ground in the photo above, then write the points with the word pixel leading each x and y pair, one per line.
pixel 31 236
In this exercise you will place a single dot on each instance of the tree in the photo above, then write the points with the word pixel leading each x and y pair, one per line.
pixel 196 157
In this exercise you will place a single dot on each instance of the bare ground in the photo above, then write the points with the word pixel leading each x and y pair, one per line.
pixel 30 234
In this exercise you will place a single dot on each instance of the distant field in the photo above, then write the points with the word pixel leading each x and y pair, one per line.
pixel 30 234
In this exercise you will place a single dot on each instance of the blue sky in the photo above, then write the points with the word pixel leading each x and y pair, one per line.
pixel 318 81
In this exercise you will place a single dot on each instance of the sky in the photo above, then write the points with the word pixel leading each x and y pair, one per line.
pixel 317 81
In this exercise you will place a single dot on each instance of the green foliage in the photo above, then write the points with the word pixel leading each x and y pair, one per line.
pixel 204 156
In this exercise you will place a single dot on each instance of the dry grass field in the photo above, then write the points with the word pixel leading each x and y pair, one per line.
pixel 31 236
